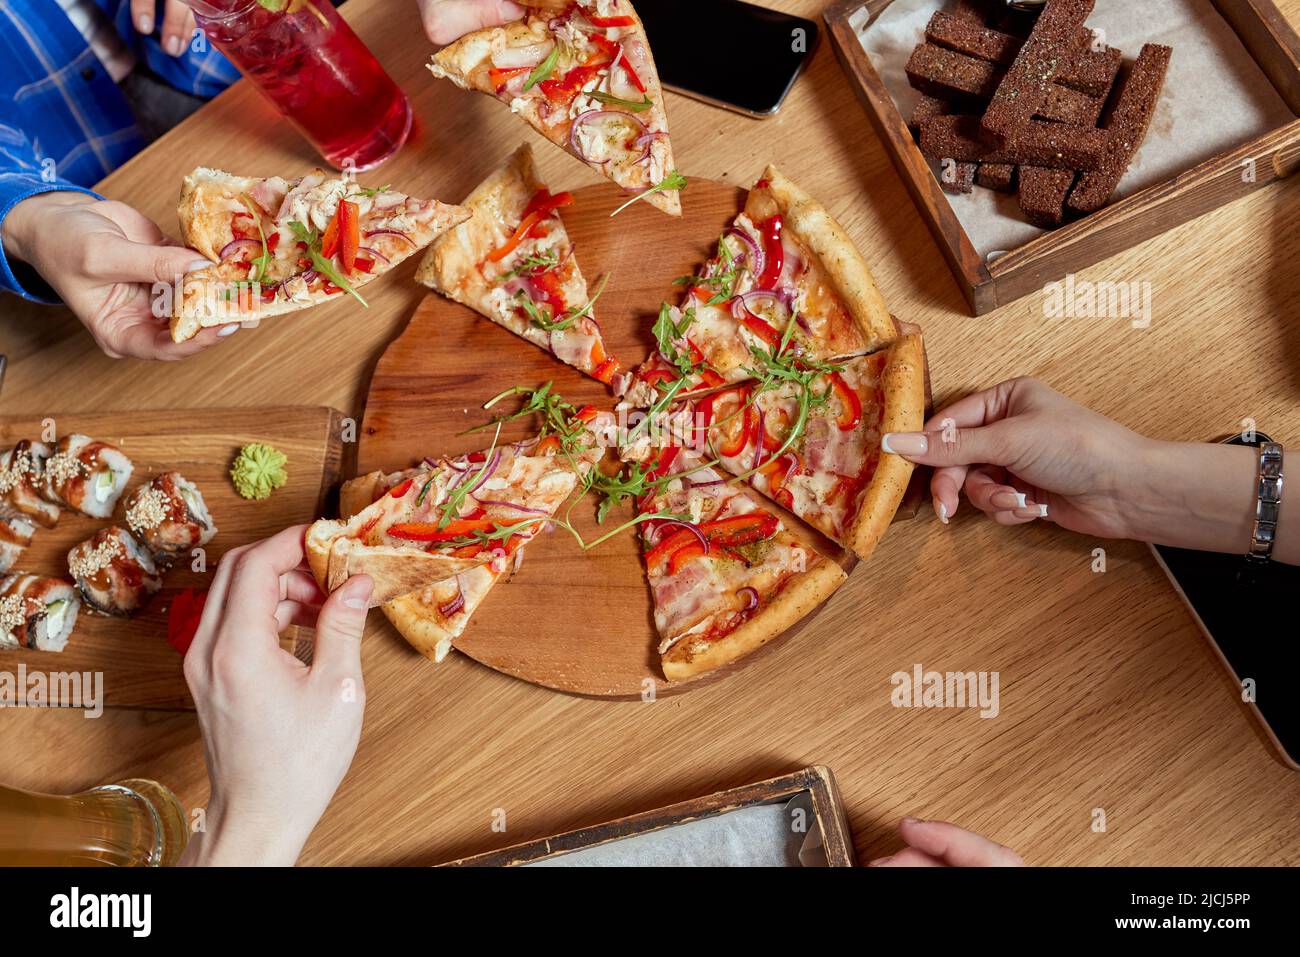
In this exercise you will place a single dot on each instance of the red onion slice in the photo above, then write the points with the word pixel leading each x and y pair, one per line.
pixel 757 258
pixel 389 232
pixel 672 522
pixel 493 503
pixel 375 253
pixel 447 609
pixel 750 595
pixel 575 142
pixel 236 244
pixel 487 471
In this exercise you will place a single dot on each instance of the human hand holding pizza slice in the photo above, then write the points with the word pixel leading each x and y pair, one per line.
pixel 1086 472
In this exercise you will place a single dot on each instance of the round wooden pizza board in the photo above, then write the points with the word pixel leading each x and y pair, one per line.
pixel 575 621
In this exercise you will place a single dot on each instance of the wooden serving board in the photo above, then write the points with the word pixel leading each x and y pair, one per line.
pixel 140 669
pixel 579 622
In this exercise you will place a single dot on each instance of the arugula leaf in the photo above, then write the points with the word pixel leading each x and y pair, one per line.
pixel 533 265
pixel 724 281
pixel 457 494
pixel 311 237
pixel 543 321
pixel 373 190
pixel 262 262
pixel 610 99
pixel 543 69
pixel 673 181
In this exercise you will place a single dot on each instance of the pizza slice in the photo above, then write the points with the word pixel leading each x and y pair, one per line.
pixel 585 79
pixel 813 445
pixel 726 576
pixel 785 275
pixel 432 617
pixel 280 245
pixel 512 261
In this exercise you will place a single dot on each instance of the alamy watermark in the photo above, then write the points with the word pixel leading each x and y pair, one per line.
pixel 1073 298
pixel 946 689
pixel 26 688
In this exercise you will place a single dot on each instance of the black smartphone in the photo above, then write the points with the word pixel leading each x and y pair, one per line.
pixel 728 53
pixel 1244 608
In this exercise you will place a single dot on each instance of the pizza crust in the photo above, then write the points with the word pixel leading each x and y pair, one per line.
pixel 451 264
pixel 334 557
pixel 814 226
pixel 804 592
pixel 903 383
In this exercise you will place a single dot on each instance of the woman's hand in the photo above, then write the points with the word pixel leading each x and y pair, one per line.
pixel 1022 451
pixel 177 23
pixel 940 844
pixel 446 21
pixel 103 258
pixel 278 735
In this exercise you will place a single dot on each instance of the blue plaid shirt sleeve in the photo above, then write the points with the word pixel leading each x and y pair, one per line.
pixel 64 124
pixel 24 175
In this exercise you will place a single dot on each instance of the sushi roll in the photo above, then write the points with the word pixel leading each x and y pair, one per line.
pixel 169 517
pixel 115 574
pixel 86 476
pixel 22 479
pixel 15 535
pixel 36 612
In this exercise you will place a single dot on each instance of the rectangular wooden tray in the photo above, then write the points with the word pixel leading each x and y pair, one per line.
pixel 1119 226
pixel 139 668
pixel 816 781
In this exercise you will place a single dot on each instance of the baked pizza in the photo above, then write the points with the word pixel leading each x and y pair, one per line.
pixel 785 270
pixel 512 261
pixel 282 245
pixel 583 77
pixel 811 441
pixel 727 576
pixel 431 617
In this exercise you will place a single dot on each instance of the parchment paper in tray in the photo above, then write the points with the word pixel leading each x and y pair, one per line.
pixel 1214 99
pixel 757 836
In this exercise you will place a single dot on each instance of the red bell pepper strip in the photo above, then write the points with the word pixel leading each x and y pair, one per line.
pixel 850 404
pixel 586 414
pixel 499 76
pixel 349 235
pixel 609 48
pixel 665 462
pixel 761 328
pixel 364 264
pixel 329 241
pixel 686 553
pixel 606 370
pixel 430 532
pixel 773 442
pixel 272 241
pixel 603 22
pixel 564 90
pixel 547 446
pixel 655 376
pixel 770 230
pixel 400 490
pixel 668 546
pixel 541 204
pixel 739 530
pixel 710 379
pixel 738 441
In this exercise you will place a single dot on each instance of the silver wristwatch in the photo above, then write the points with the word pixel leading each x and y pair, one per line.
pixel 1268 501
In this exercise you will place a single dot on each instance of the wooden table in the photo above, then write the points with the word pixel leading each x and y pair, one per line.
pixel 1110 698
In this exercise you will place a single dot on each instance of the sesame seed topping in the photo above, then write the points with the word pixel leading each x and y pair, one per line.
pixel 148 509
pixel 92 561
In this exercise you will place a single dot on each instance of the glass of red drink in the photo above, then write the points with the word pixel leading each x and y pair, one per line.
pixel 322 78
